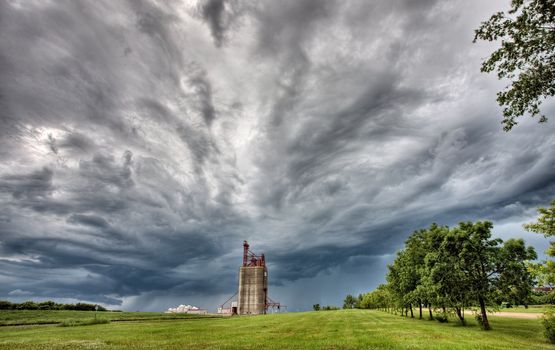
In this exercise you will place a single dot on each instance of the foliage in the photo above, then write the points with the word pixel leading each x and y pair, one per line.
pixel 358 304
pixel 350 302
pixel 479 319
pixel 48 305
pixel 526 56
pixel 545 223
pixel 316 307
pixel 515 280
pixel 380 298
pixel 442 317
pixel 452 269
pixel 548 323
pixel 548 298
pixel 27 305
pixel 544 272
pixel 445 279
pixel 329 308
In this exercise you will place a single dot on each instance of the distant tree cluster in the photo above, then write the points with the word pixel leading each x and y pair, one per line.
pixel 447 270
pixel 317 307
pixel 48 305
pixel 352 302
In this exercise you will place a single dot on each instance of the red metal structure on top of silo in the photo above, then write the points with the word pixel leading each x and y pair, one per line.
pixel 251 259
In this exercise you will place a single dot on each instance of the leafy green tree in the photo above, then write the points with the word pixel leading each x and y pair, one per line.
pixel 515 281
pixel 47 305
pixel 544 272
pixel 358 304
pixel 416 250
pixel 349 302
pixel 526 56
pixel 377 299
pixel 451 269
pixel 447 276
pixel 487 266
pixel 546 221
pixel 316 307
pixel 27 305
pixel 6 305
pixel 428 288
pixel 398 283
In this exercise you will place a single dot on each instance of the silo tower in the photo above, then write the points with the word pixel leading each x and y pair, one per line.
pixel 253 284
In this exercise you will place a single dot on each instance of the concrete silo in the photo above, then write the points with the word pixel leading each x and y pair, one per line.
pixel 252 296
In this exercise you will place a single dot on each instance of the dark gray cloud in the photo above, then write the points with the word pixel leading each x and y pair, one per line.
pixel 213 12
pixel 33 185
pixel 142 142
pixel 88 220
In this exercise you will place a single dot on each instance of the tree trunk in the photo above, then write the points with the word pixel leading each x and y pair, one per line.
pixel 411 314
pixel 430 311
pixel 485 322
pixel 420 305
pixel 460 314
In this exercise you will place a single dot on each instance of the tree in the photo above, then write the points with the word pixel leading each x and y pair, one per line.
pixel 349 302
pixel 358 304
pixel 416 250
pixel 27 305
pixel 377 299
pixel 429 287
pixel 544 272
pixel 486 266
pixel 515 281
pixel 400 282
pixel 454 268
pixel 6 305
pixel 47 305
pixel 526 56
pixel 546 221
pixel 447 277
pixel 316 307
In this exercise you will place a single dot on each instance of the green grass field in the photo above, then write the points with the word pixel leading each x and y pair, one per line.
pixel 530 310
pixel 346 329
pixel 24 317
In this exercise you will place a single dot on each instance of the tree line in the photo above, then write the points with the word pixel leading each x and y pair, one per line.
pixel 318 307
pixel 442 270
pixel 48 305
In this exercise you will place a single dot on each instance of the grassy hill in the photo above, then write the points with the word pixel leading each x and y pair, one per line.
pixel 345 329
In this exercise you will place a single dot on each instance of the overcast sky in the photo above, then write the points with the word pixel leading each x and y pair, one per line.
pixel 142 142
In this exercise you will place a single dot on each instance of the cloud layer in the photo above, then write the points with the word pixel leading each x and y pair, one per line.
pixel 142 142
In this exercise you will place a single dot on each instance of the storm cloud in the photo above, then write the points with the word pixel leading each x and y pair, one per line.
pixel 142 142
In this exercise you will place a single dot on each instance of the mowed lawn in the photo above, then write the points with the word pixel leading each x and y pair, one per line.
pixel 345 329
pixel 22 317
pixel 530 310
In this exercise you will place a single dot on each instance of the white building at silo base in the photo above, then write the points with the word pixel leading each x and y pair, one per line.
pixel 186 309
